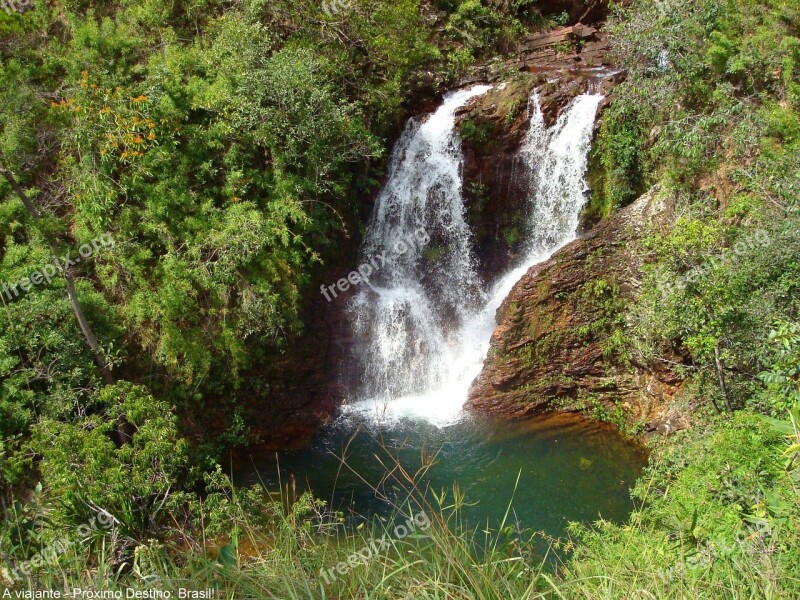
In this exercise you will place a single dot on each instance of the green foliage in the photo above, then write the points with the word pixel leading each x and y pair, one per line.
pixel 128 443
pixel 512 236
pixel 474 23
pixel 45 366
pixel 478 133
pixel 695 71
pixel 603 298
pixel 783 380
pixel 220 247
pixel 218 145
pixel 479 27
pixel 621 148
pixel 719 512
pixel 705 119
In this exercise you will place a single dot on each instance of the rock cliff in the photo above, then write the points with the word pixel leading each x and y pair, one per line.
pixel 560 65
pixel 560 342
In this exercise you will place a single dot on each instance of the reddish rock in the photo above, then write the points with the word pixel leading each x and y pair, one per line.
pixel 554 346
pixel 492 129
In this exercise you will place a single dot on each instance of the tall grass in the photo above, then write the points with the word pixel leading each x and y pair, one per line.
pixel 301 550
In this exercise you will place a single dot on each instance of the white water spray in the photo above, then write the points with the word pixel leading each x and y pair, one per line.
pixel 429 281
pixel 424 324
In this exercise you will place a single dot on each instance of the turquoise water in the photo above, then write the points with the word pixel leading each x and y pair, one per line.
pixel 569 469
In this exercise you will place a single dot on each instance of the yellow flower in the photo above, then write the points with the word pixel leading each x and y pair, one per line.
pixel 151 136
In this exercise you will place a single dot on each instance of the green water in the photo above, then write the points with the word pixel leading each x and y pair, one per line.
pixel 564 469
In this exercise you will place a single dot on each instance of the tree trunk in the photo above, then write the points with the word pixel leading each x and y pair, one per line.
pixel 721 376
pixel 86 328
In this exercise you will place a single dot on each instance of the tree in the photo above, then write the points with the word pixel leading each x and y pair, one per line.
pixel 86 328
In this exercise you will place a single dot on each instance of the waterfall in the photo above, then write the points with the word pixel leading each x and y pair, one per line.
pixel 423 322
pixel 556 160
pixel 424 282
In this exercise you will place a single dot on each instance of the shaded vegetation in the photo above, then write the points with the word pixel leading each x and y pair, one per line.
pixel 224 146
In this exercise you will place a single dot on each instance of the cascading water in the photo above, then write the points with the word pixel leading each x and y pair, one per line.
pixel 424 280
pixel 557 162
pixel 423 330
pixel 424 324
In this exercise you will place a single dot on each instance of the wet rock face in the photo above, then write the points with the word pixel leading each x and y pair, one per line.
pixel 556 346
pixel 492 129
pixel 560 64
pixel 494 192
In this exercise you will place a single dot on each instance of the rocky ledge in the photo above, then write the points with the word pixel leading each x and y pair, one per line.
pixel 560 64
pixel 560 340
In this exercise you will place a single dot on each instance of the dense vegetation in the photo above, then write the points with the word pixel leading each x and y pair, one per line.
pixel 709 121
pixel 222 148
pixel 219 149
